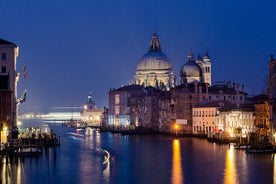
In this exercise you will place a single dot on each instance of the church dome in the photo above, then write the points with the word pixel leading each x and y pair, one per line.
pixel 154 68
pixel 154 59
pixel 191 69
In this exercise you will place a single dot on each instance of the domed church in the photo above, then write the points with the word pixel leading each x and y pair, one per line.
pixel 198 70
pixel 155 69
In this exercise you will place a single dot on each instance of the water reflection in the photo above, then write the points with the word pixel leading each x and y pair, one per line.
pixel 177 173
pixel 12 170
pixel 230 171
pixel 274 168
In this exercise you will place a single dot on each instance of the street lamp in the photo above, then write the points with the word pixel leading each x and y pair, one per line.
pixel 176 129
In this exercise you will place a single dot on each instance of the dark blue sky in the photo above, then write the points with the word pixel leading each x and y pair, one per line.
pixel 74 47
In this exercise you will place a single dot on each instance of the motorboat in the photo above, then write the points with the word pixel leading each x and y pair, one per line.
pixel 29 152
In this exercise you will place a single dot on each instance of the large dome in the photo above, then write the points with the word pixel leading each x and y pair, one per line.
pixel 154 60
pixel 155 68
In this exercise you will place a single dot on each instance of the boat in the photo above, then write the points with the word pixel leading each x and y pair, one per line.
pixel 88 131
pixel 29 152
pixel 261 149
pixel 242 147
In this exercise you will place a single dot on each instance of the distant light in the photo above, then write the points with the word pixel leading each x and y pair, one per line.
pixel 19 123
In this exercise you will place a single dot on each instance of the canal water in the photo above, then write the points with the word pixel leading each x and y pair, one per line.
pixel 132 159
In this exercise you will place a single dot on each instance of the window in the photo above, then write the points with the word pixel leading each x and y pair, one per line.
pixel 117 99
pixel 3 56
pixel 117 110
pixel 3 69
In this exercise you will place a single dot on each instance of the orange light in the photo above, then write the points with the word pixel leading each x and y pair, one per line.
pixel 176 126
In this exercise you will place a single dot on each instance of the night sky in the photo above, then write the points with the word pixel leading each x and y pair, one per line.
pixel 73 47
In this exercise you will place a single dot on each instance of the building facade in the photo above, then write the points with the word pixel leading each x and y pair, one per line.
pixel 224 119
pixel 90 115
pixel 206 121
pixel 272 93
pixel 8 88
pixel 119 105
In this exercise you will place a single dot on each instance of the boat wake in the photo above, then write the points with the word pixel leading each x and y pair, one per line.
pixel 106 162
pixel 76 135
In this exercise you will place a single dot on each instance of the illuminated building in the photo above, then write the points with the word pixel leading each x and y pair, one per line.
pixel 137 106
pixel 155 101
pixel 206 120
pixel 119 110
pixel 8 88
pixel 183 98
pixel 155 69
pixel 90 115
pixel 222 117
pixel 144 108
pixel 262 122
pixel 272 92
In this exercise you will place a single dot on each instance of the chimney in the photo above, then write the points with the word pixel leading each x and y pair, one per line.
pixel 237 88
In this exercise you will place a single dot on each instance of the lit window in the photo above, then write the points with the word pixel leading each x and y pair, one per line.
pixel 117 99
pixel 117 110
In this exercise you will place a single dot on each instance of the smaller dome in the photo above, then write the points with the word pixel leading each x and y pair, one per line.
pixel 190 69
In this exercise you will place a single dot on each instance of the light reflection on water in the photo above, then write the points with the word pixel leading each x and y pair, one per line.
pixel 12 171
pixel 230 172
pixel 177 173
pixel 274 169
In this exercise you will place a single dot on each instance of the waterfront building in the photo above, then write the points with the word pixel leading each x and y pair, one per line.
pixel 144 108
pixel 224 119
pixel 166 113
pixel 155 68
pixel 91 115
pixel 118 104
pixel 262 116
pixel 206 119
pixel 8 88
pixel 238 121
pixel 272 93
pixel 183 98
